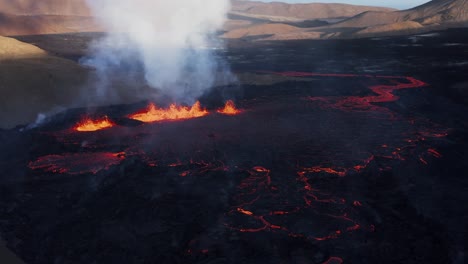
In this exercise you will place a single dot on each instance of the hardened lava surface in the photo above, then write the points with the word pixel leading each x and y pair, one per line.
pixel 314 169
pixel 349 151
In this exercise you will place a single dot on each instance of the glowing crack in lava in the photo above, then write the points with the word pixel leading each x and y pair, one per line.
pixel 77 163
pixel 229 109
pixel 303 194
pixel 90 125
pixel 334 260
pixel 174 112
pixel 265 205
pixel 384 93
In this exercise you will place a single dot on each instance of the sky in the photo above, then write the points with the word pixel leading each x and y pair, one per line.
pixel 400 4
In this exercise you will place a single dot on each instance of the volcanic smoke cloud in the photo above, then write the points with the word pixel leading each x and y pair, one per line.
pixel 169 39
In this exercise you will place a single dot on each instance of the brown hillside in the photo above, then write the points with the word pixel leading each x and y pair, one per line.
pixel 300 34
pixel 259 30
pixel 299 11
pixel 45 7
pixel 236 23
pixel 28 17
pixel 440 11
pixel 302 11
pixel 436 14
pixel 431 13
pixel 14 49
pixel 248 18
pixel 369 19
pixel 14 25
pixel 399 26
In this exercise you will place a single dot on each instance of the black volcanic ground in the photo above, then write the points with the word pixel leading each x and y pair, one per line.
pixel 348 151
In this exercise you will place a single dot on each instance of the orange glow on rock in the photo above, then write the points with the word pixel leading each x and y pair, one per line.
pixel 334 260
pixel 174 112
pixel 229 109
pixel 319 169
pixel 434 153
pixel 357 203
pixel 260 169
pixel 90 125
pixel 242 211
pixel 78 163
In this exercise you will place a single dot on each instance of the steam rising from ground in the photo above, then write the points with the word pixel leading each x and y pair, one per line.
pixel 170 40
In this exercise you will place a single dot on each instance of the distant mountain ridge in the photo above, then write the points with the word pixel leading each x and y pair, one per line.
pixel 29 17
pixel 307 11
pixel 14 25
pixel 23 17
pixel 433 12
pixel 45 7
pixel 439 11
pixel 436 14
pixel 272 20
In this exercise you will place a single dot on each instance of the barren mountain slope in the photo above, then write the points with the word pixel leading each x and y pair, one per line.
pixel 302 11
pixel 433 12
pixel 440 11
pixel 45 7
pixel 13 49
pixel 262 29
pixel 398 26
pixel 15 25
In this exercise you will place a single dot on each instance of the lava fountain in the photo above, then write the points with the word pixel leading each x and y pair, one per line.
pixel 90 125
pixel 229 109
pixel 174 112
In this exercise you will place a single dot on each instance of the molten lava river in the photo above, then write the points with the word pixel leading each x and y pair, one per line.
pixel 289 175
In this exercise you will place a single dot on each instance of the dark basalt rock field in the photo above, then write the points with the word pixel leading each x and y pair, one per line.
pixel 350 151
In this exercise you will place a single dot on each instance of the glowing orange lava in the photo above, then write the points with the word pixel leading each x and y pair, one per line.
pixel 174 112
pixel 229 109
pixel 334 260
pixel 77 163
pixel 90 125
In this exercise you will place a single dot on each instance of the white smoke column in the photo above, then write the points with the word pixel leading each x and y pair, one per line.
pixel 168 38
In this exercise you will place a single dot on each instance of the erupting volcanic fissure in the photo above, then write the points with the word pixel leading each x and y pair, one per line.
pixel 174 112
pixel 284 166
pixel 90 125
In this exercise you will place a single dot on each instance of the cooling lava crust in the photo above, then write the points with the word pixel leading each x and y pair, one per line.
pixel 292 173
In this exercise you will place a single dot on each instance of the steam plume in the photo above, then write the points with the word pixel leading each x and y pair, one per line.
pixel 167 39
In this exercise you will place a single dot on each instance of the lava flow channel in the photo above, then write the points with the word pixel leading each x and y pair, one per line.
pixel 383 93
pixel 77 163
pixel 174 112
pixel 90 125
pixel 263 205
